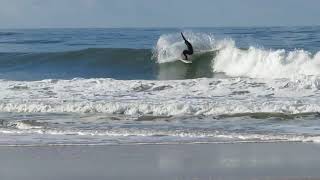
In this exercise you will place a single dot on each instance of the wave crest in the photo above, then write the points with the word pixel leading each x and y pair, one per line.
pixel 260 63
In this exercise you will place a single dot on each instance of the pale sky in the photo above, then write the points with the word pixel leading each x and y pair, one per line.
pixel 157 13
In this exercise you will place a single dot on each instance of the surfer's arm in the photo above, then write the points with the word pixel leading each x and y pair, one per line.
pixel 183 37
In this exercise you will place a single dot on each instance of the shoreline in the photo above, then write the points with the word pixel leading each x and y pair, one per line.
pixel 172 161
pixel 174 143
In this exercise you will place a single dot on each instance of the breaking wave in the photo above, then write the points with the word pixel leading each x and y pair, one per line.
pixel 223 56
pixel 261 63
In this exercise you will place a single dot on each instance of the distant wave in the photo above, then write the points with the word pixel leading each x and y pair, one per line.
pixel 31 41
pixel 8 33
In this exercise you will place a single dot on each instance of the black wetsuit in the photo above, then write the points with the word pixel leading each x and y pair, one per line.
pixel 190 48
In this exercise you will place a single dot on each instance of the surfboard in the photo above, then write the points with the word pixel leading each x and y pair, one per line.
pixel 196 56
pixel 185 61
pixel 192 58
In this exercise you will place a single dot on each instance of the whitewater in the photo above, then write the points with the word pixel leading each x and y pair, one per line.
pixel 244 85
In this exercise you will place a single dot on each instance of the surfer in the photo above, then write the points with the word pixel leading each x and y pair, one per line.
pixel 190 48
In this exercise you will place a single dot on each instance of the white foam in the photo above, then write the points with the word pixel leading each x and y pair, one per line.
pixel 25 126
pixel 261 63
pixel 152 135
pixel 184 97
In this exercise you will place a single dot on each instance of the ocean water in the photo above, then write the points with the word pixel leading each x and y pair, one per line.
pixel 125 86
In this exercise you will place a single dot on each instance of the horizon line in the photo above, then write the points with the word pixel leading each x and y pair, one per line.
pixel 159 27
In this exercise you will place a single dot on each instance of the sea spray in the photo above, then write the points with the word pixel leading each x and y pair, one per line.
pixel 170 46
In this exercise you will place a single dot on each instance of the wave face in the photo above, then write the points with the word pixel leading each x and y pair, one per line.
pixel 120 63
pixel 114 63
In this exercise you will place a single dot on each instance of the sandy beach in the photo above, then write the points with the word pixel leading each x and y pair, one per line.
pixel 188 161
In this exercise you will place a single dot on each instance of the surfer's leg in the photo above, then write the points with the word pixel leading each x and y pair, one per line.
pixel 190 48
pixel 185 52
pixel 188 52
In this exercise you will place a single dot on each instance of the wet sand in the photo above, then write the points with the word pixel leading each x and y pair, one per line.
pixel 152 162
